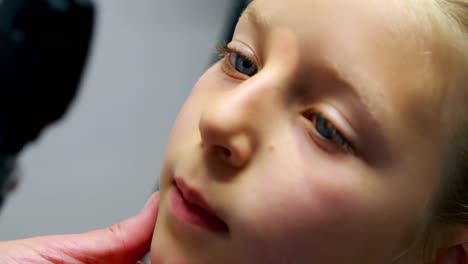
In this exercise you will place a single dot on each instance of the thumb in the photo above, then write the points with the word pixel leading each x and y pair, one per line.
pixel 125 242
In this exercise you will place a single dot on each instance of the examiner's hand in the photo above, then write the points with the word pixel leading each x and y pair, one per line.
pixel 123 243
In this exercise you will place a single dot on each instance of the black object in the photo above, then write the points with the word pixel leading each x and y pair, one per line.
pixel 43 49
pixel 237 10
pixel 238 6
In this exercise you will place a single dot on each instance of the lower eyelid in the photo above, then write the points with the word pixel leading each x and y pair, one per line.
pixel 321 142
pixel 330 146
pixel 228 69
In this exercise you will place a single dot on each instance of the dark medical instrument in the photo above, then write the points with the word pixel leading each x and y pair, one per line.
pixel 43 50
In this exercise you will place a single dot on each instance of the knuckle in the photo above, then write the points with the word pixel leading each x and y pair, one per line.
pixel 117 232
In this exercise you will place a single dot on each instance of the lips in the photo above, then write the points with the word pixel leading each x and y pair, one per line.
pixel 191 207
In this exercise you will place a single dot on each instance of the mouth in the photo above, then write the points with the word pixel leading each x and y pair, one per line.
pixel 190 207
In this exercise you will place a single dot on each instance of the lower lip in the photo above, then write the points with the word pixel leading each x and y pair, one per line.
pixel 194 215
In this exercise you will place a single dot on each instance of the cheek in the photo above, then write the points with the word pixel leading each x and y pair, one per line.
pixel 293 211
pixel 289 199
pixel 186 124
pixel 311 200
pixel 304 179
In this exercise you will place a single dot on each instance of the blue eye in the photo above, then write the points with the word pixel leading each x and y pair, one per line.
pixel 243 65
pixel 327 131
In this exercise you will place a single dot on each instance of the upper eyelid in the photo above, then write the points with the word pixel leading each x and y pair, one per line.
pixel 225 50
pixel 349 143
pixel 338 120
pixel 240 53
pixel 245 50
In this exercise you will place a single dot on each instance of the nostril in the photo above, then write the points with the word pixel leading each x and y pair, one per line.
pixel 234 151
pixel 223 151
pixel 227 152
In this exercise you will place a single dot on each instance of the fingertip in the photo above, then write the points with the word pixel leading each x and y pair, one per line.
pixel 127 241
pixel 152 201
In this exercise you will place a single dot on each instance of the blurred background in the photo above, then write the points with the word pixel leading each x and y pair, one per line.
pixel 99 165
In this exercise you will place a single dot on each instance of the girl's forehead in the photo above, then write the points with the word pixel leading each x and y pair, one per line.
pixel 376 45
pixel 373 47
pixel 378 21
pixel 306 11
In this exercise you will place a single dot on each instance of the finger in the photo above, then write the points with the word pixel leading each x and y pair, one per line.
pixel 125 242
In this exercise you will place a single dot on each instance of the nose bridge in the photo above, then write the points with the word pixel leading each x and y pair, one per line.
pixel 237 112
pixel 263 93
pixel 249 101
pixel 233 123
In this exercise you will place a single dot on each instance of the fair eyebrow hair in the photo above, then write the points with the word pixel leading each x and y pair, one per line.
pixel 260 21
pixel 252 14
pixel 352 81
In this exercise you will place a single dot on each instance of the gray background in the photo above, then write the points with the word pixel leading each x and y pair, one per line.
pixel 100 164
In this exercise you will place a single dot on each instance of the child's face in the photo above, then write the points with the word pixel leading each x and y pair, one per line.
pixel 329 153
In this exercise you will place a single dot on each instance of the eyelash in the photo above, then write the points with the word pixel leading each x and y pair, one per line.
pixel 225 52
pixel 338 140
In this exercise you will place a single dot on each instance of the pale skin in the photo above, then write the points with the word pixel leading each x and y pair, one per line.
pixel 255 147
pixel 122 243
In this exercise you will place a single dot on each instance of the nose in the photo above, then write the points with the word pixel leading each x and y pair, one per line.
pixel 234 126
pixel 238 121
pixel 227 130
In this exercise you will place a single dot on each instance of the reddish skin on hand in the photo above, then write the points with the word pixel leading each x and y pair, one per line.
pixel 122 243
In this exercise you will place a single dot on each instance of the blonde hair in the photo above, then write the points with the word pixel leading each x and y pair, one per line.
pixel 448 28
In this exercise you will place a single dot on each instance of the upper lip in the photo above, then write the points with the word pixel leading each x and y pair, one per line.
pixel 194 197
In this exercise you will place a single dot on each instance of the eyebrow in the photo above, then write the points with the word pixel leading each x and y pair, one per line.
pixel 260 21
pixel 352 81
pixel 255 17
pixel 354 84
